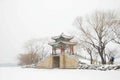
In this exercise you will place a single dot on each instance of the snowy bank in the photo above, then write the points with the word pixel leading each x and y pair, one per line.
pixel 99 67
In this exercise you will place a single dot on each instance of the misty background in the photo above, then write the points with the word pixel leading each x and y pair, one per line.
pixel 22 20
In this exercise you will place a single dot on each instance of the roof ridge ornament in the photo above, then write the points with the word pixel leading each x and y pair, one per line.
pixel 61 34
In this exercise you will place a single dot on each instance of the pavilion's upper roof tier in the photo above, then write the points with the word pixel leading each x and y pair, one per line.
pixel 62 37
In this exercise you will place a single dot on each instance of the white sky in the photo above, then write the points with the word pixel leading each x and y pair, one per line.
pixel 21 20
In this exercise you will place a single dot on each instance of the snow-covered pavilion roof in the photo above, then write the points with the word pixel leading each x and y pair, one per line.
pixel 64 42
pixel 62 36
pixel 58 44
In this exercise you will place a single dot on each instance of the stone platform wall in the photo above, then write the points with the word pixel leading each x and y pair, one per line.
pixel 46 63
pixel 65 62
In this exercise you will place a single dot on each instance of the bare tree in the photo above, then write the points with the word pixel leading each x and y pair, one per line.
pixel 116 31
pixel 35 49
pixel 96 30
pixel 88 48
pixel 25 59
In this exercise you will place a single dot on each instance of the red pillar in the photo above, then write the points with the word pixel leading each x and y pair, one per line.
pixel 71 50
pixel 62 49
pixel 53 51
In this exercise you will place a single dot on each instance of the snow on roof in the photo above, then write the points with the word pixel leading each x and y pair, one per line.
pixel 64 42
pixel 63 36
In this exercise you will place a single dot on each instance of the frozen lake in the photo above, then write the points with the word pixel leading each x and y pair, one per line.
pixel 18 73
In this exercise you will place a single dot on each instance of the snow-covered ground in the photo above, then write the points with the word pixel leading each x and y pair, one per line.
pixel 18 73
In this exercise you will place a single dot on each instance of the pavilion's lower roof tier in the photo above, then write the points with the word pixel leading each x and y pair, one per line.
pixel 58 44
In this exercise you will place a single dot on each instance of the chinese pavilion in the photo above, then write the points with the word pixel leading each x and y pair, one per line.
pixel 65 58
pixel 62 42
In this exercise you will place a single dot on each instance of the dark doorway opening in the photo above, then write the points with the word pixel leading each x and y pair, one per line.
pixel 56 61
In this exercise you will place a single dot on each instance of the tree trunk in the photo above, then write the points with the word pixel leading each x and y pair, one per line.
pixel 102 59
pixel 91 59
pixel 101 52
